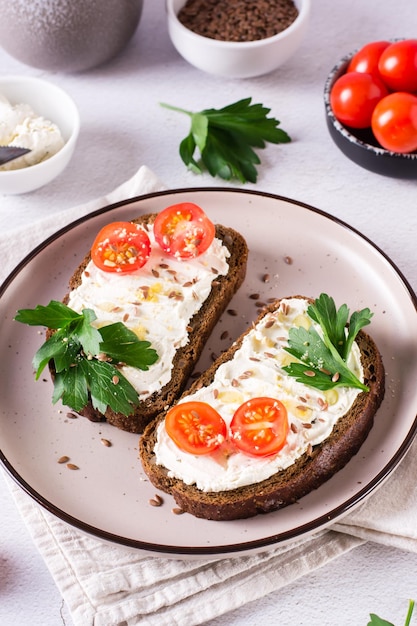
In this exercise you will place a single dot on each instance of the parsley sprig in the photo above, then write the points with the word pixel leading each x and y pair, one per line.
pixel 322 359
pixel 85 358
pixel 226 138
pixel 377 621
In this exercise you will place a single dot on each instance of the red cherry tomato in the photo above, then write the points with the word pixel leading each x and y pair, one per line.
pixel 354 96
pixel 195 427
pixel 183 230
pixel 260 426
pixel 398 65
pixel 366 59
pixel 394 122
pixel 121 247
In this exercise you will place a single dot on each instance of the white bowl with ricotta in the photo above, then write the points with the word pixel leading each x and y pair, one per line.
pixel 39 115
pixel 237 59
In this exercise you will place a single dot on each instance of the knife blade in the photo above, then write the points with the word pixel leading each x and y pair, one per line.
pixel 9 153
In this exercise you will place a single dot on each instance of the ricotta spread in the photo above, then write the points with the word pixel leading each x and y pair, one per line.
pixel 157 302
pixel 20 126
pixel 257 370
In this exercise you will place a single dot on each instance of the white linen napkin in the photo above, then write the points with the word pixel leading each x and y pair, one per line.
pixel 106 584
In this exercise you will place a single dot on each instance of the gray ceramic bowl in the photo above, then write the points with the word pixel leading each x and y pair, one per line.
pixel 67 35
pixel 359 145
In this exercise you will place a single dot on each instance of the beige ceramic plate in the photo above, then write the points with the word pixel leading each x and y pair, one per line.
pixel 305 252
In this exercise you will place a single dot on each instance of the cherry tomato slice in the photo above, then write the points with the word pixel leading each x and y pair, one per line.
pixel 398 65
pixel 354 96
pixel 183 230
pixel 366 59
pixel 121 247
pixel 195 427
pixel 394 122
pixel 260 426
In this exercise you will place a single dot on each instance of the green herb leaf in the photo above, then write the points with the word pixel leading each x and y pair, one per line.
pixel 322 360
pixel 122 345
pixel 333 323
pixel 54 315
pixel 85 358
pixel 109 388
pixel 225 138
pixel 377 621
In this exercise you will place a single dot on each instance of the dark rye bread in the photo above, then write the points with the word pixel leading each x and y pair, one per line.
pixel 309 471
pixel 201 325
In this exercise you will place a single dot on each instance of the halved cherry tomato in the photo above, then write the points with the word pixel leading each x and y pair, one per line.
pixel 183 230
pixel 260 426
pixel 394 122
pixel 121 247
pixel 398 65
pixel 195 427
pixel 354 96
pixel 366 59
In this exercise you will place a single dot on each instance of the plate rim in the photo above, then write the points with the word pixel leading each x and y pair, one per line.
pixel 317 524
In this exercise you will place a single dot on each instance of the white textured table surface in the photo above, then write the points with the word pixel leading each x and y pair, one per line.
pixel 124 127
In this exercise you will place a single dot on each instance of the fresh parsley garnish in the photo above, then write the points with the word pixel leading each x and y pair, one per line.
pixel 225 138
pixel 85 358
pixel 322 359
pixel 377 621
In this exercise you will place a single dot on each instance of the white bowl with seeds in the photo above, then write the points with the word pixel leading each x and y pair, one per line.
pixel 236 43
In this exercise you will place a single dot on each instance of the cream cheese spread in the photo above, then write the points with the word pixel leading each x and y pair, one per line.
pixel 157 302
pixel 20 126
pixel 256 370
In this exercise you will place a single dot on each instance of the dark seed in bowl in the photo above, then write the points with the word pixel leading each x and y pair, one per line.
pixel 238 20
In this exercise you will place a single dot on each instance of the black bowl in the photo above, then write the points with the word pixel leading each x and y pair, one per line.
pixel 359 145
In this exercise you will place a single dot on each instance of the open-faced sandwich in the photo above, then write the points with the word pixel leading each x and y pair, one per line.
pixel 278 414
pixel 140 308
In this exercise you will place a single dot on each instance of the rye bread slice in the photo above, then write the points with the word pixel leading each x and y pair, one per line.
pixel 286 487
pixel 201 325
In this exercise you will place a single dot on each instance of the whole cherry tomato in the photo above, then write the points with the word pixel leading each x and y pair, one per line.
pixel 121 247
pixel 366 59
pixel 183 230
pixel 398 65
pixel 354 96
pixel 195 427
pixel 394 122
pixel 259 426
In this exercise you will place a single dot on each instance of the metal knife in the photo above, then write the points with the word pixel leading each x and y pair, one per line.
pixel 9 153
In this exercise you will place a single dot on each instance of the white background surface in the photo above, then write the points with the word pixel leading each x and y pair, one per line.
pixel 122 127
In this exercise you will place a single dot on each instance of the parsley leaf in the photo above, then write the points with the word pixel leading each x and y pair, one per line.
pixel 85 358
pixel 321 360
pixel 225 138
pixel 377 621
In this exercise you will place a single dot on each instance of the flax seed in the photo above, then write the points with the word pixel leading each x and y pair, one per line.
pixel 177 511
pixel 234 20
pixel 156 500
pixel 63 459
